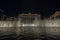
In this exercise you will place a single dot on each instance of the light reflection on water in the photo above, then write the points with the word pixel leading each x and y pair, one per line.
pixel 34 31
pixel 51 30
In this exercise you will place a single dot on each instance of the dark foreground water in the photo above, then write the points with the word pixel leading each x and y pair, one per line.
pixel 14 33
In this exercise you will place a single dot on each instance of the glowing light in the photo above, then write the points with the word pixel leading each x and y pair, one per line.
pixel 28 25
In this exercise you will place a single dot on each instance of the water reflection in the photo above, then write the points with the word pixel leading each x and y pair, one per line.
pixel 27 34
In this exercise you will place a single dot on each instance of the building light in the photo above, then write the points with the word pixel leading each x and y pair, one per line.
pixel 28 25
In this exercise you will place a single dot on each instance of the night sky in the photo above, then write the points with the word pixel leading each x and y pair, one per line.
pixel 45 7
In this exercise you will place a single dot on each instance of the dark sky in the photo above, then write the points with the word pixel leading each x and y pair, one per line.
pixel 45 7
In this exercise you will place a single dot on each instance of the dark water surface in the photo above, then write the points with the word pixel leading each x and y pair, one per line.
pixel 17 33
